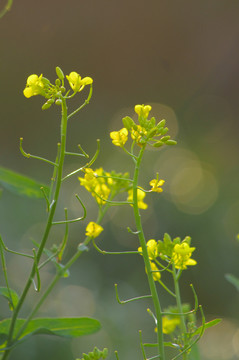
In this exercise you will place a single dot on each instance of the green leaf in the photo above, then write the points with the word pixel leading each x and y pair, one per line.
pixel 206 326
pixel 21 185
pixel 233 280
pixel 12 297
pixel 64 327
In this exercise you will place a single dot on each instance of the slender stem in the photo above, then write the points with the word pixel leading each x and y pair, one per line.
pixel 4 267
pixel 6 8
pixel 141 236
pixel 47 229
pixel 180 309
pixel 59 275
pixel 84 104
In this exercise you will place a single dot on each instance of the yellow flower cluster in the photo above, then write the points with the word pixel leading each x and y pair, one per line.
pixel 38 85
pixel 170 324
pixel 181 256
pixel 140 197
pixel 155 271
pixel 77 83
pixel 142 110
pixel 138 133
pixel 98 186
pixel 152 249
pixel 34 86
pixel 120 137
pixel 93 230
pixel 145 132
pixel 176 253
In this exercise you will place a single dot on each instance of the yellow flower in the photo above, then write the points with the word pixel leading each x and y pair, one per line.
pixel 156 185
pixel 137 134
pixel 155 271
pixel 181 256
pixel 76 82
pixel 93 230
pixel 103 191
pixel 152 248
pixel 142 110
pixel 120 137
pixel 95 184
pixel 140 198
pixel 169 324
pixel 35 86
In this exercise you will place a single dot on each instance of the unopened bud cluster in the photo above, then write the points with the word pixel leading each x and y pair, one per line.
pixel 146 132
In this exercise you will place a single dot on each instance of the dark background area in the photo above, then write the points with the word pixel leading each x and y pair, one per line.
pixel 182 58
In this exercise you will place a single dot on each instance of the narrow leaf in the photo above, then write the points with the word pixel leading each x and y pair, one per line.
pixel 233 280
pixel 21 185
pixel 64 327
pixel 207 325
pixel 12 297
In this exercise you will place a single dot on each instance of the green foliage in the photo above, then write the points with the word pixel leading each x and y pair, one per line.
pixel 64 327
pixel 10 295
pixel 177 324
pixel 233 280
pixel 21 185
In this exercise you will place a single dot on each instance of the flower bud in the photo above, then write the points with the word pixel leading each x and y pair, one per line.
pixel 86 357
pixel 158 144
pixel 152 132
pixel 104 353
pixel 161 123
pixel 152 122
pixel 128 122
pixel 46 106
pixel 59 73
pixel 97 353
pixel 170 142
pixel 164 131
pixel 165 138
pixel 58 102
pixel 160 129
pixel 58 82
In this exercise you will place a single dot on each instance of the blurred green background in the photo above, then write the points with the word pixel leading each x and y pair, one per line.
pixel 182 57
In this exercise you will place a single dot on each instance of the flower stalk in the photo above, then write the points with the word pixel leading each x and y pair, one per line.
pixel 145 254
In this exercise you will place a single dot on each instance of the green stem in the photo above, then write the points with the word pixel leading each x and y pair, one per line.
pixel 143 245
pixel 47 229
pixel 58 276
pixel 4 267
pixel 180 309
